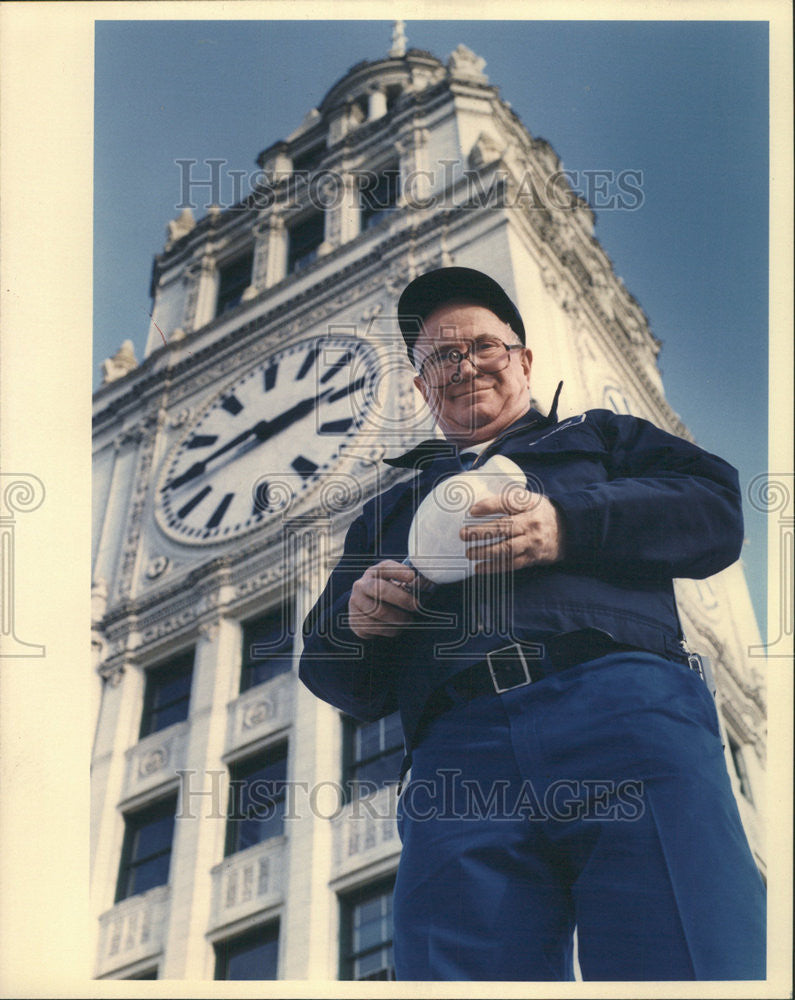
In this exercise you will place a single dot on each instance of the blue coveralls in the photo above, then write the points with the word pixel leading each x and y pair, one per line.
pixel 596 796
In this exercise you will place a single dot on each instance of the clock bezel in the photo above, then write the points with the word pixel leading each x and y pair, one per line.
pixel 367 353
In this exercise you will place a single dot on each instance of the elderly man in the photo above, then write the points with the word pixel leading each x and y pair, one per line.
pixel 566 760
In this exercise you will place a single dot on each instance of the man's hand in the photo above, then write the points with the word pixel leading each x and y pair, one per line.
pixel 379 605
pixel 530 535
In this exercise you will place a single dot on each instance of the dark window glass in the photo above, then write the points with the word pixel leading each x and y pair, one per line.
pixel 366 938
pixel 167 694
pixel 372 753
pixel 267 647
pixel 146 852
pixel 234 280
pixel 256 799
pixel 253 955
pixel 148 974
pixel 378 195
pixel 392 97
pixel 307 161
pixel 304 239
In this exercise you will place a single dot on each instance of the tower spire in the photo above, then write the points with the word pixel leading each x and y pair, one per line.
pixel 398 49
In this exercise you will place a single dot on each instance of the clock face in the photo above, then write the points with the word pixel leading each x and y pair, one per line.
pixel 265 439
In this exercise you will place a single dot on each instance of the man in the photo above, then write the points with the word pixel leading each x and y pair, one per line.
pixel 566 761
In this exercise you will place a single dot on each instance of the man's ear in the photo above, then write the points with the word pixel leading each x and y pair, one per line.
pixel 527 362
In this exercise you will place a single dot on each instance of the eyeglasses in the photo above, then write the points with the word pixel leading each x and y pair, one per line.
pixel 486 355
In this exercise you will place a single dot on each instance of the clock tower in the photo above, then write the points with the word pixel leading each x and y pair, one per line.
pixel 242 828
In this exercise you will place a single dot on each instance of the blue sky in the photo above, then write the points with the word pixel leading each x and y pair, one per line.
pixel 686 103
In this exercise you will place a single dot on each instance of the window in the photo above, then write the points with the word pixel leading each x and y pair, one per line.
pixel 366 933
pixel 308 160
pixel 167 694
pixel 393 96
pixel 372 753
pixel 147 974
pixel 146 852
pixel 267 646
pixel 235 278
pixel 256 799
pixel 304 239
pixel 739 768
pixel 378 195
pixel 253 955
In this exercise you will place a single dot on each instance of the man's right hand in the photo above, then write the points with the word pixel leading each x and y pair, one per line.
pixel 379 605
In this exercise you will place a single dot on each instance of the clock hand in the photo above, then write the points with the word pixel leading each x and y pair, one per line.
pixel 266 429
pixel 263 430
pixel 198 467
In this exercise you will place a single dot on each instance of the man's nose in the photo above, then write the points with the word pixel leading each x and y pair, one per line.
pixel 468 361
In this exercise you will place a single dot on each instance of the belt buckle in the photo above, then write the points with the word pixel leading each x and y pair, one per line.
pixel 517 649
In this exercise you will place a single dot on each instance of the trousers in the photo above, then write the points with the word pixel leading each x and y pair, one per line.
pixel 598 799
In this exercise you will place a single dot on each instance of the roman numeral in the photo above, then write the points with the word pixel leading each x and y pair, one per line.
pixel 336 367
pixel 261 501
pixel 220 510
pixel 309 360
pixel 345 390
pixel 270 376
pixel 336 426
pixel 304 466
pixel 202 440
pixel 232 405
pixel 193 502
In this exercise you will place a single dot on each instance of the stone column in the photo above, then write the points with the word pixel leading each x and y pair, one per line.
pixel 201 280
pixel 259 267
pixel 376 104
pixel 117 730
pixel 343 220
pixel 275 267
pixel 200 830
pixel 415 177
pixel 309 909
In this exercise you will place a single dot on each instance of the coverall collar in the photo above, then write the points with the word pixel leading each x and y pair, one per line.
pixel 433 448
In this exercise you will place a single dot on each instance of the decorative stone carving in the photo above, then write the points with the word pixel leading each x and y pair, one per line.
pixel 137 505
pixel 112 674
pixel 364 832
pixel 122 362
pixel 463 64
pixel 133 930
pixel 484 151
pixel 179 227
pixel 257 712
pixel 209 630
pixel 310 118
pixel 181 418
pixel 247 882
pixel 153 761
pixel 399 41
pixel 157 567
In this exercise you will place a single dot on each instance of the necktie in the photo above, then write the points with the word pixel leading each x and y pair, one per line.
pixel 467 458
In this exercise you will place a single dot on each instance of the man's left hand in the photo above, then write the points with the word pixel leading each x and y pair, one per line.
pixel 530 533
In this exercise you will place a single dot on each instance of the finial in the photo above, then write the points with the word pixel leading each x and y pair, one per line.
pixel 398 49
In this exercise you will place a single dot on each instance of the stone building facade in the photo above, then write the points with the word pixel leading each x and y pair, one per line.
pixel 228 463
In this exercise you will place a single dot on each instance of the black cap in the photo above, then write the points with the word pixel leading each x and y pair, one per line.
pixel 434 288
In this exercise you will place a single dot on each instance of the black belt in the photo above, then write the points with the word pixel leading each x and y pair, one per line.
pixel 520 664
